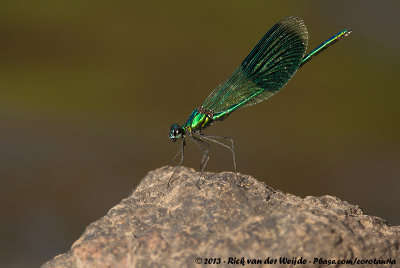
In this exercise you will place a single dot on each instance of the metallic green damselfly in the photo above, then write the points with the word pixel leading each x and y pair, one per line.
pixel 268 67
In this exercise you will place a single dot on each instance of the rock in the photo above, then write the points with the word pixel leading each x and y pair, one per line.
pixel 229 218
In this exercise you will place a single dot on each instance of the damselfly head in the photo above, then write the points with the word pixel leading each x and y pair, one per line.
pixel 175 132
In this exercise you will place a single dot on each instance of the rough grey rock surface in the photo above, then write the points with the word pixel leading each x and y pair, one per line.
pixel 227 217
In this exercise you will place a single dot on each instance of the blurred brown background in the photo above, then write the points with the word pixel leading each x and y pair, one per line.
pixel 88 90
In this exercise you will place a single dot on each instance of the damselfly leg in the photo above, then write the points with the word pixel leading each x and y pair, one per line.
pixel 205 158
pixel 231 148
pixel 182 150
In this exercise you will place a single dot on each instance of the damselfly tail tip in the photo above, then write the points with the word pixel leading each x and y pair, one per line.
pixel 348 31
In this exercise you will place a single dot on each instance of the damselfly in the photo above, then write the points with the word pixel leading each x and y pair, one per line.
pixel 268 67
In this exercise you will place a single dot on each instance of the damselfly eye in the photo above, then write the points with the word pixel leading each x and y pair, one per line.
pixel 175 131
